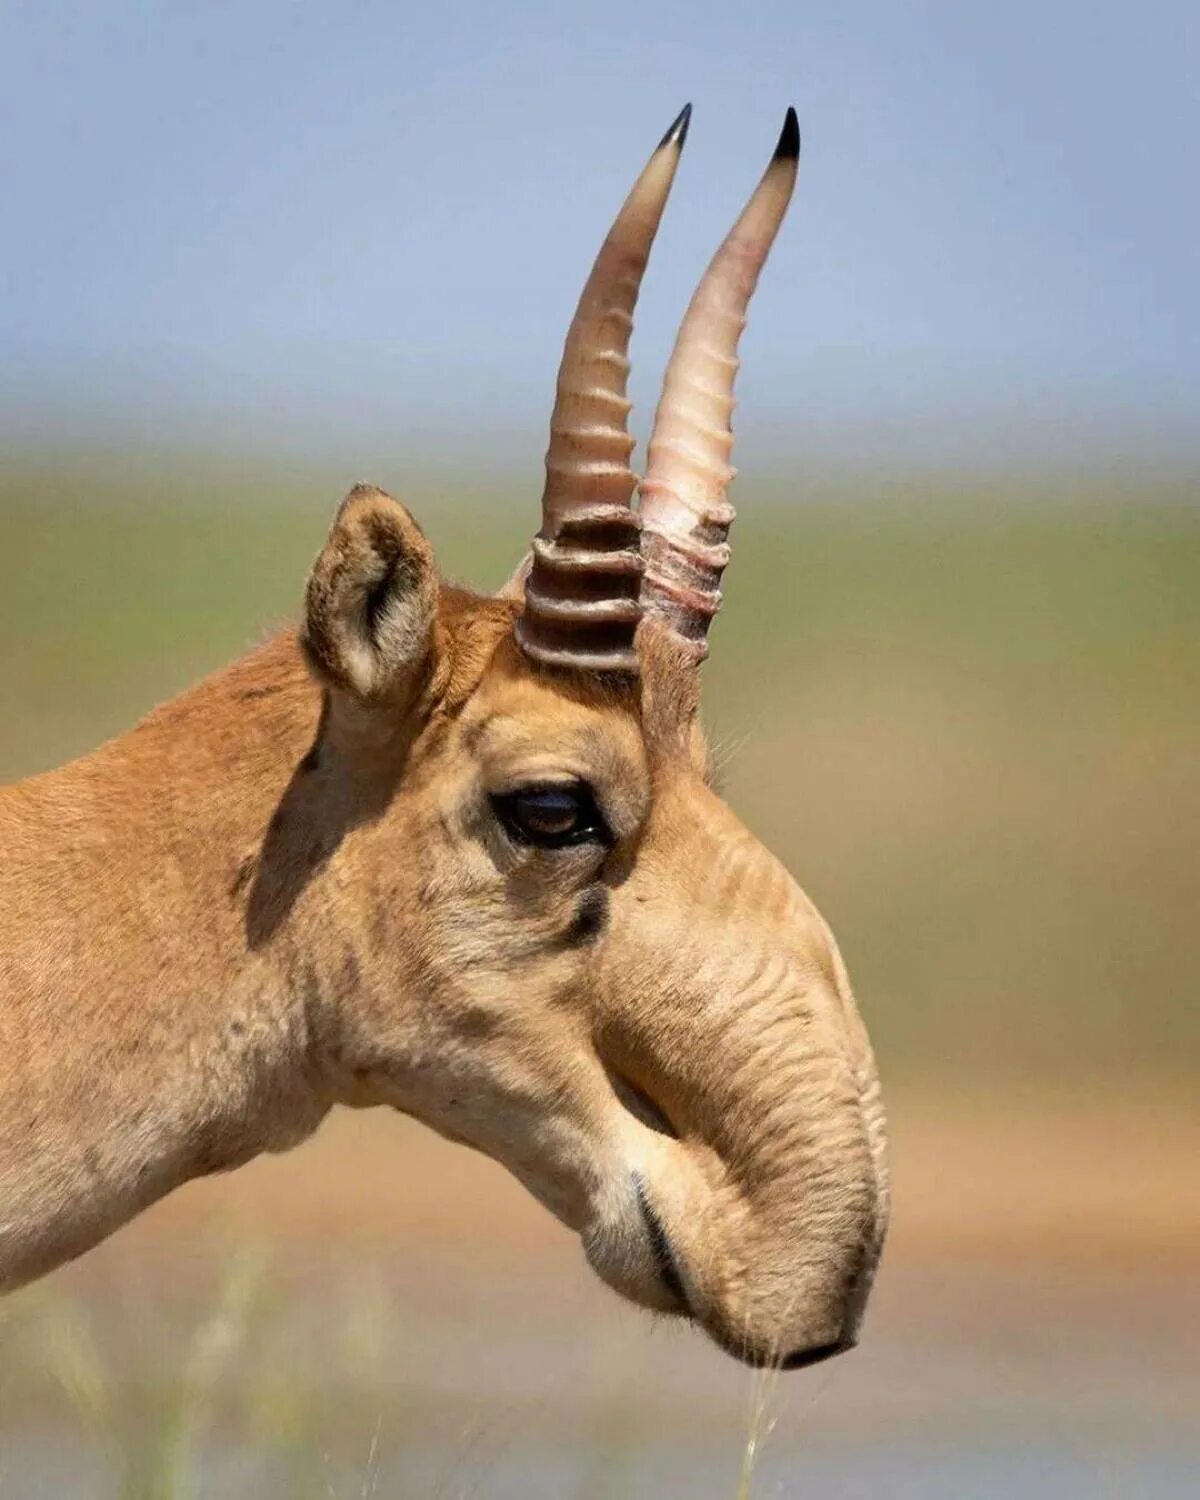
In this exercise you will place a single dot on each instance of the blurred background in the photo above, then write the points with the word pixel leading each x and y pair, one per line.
pixel 254 253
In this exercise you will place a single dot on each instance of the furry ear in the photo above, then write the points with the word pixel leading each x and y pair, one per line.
pixel 372 601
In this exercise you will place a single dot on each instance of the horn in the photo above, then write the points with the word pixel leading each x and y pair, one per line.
pixel 582 593
pixel 685 513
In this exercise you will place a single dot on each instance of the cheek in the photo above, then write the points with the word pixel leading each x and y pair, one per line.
pixel 524 1094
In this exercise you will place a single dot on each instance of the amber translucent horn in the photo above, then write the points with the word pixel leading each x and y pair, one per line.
pixel 685 513
pixel 582 593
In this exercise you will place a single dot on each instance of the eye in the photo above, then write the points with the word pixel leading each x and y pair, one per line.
pixel 552 817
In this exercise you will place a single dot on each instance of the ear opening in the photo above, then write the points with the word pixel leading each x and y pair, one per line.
pixel 371 604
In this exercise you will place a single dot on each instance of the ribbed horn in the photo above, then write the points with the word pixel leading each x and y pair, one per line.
pixel 685 513
pixel 582 594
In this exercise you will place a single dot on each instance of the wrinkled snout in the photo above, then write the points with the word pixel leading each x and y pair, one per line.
pixel 793 1304
pixel 758 1206
pixel 781 1282
pixel 770 1246
pixel 795 1230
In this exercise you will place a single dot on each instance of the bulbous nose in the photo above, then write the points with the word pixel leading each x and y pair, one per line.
pixel 822 1317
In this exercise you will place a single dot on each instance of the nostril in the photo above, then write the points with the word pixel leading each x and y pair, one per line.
pixel 640 1105
pixel 800 1358
pixel 767 1358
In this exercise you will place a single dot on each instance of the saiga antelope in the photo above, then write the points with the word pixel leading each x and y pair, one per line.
pixel 460 855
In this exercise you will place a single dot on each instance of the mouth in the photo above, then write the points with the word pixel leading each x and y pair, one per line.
pixel 665 1265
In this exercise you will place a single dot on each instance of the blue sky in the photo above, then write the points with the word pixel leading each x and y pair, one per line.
pixel 358 230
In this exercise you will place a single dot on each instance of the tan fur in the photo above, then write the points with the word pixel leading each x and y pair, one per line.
pixel 287 889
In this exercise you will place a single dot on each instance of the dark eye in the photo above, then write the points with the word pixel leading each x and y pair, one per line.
pixel 552 817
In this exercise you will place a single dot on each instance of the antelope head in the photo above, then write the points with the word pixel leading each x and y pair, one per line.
pixel 609 984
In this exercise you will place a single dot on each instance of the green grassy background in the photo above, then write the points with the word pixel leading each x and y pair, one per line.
pixel 967 717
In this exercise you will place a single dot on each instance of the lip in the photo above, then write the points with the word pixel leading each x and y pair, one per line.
pixel 661 1252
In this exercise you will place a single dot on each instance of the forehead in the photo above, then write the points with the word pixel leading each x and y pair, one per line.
pixel 509 709
pixel 537 722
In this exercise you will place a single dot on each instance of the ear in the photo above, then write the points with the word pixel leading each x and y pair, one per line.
pixel 371 606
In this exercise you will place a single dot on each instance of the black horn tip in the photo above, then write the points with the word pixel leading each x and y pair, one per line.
pixel 677 133
pixel 788 148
